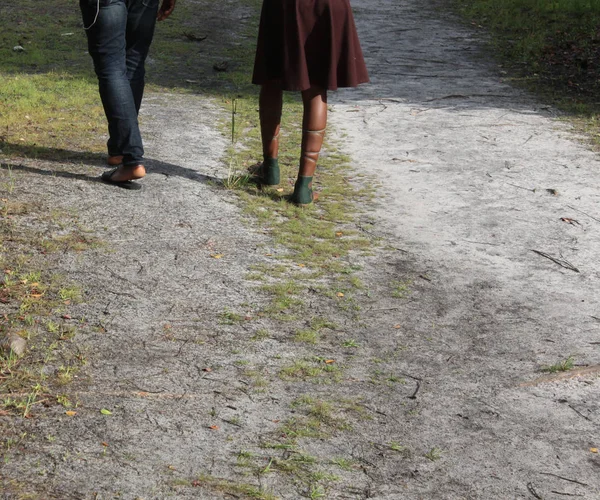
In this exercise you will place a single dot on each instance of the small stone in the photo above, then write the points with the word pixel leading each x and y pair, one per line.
pixel 15 343
pixel 18 48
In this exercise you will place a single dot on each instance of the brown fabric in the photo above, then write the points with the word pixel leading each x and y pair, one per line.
pixel 304 43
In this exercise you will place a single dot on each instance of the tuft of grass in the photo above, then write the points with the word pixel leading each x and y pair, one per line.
pixel 261 334
pixel 562 366
pixel 434 454
pixel 401 289
pixel 316 370
pixel 309 336
pixel 227 487
pixel 228 317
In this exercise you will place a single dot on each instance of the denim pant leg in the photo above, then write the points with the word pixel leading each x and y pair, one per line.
pixel 120 24
pixel 140 31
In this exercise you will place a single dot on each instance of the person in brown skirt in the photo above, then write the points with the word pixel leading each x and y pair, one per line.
pixel 309 46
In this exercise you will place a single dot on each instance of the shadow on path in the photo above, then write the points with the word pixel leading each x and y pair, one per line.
pixel 61 156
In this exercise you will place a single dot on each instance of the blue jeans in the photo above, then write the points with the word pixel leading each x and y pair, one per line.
pixel 118 42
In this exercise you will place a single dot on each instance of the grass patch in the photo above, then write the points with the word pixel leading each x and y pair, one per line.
pixel 552 48
pixel 226 487
pixel 562 366
pixel 401 289
pixel 317 370
pixel 35 306
pixel 228 317
pixel 434 454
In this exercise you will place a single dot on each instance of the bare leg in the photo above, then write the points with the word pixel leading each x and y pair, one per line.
pixel 270 104
pixel 314 123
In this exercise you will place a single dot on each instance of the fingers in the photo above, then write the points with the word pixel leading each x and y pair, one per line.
pixel 166 9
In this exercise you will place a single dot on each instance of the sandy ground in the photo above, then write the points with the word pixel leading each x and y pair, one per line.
pixel 464 164
pixel 476 176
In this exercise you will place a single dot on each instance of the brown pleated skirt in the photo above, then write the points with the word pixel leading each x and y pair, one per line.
pixel 304 43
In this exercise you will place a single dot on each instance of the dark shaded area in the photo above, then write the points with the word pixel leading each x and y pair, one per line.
pixel 63 157
pixel 187 47
pixel 570 62
pixel 563 69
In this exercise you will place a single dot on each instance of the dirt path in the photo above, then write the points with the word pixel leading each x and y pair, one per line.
pixel 474 177
pixel 428 389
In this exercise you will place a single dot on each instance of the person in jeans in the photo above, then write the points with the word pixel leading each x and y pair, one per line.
pixel 309 46
pixel 119 34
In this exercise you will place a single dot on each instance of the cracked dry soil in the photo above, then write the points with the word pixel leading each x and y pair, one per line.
pixel 443 398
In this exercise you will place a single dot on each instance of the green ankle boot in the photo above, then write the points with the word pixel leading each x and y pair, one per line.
pixel 303 193
pixel 268 173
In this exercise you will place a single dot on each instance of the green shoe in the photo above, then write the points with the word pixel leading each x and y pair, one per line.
pixel 303 193
pixel 267 172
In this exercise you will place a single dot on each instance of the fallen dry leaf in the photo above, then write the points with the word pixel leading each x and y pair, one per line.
pixel 280 190
pixel 339 233
pixel 340 294
pixel 329 361
pixel 594 450
pixel 207 369
pixel 217 255
pixel 104 443
pixel 214 427
pixel 71 413
pixel 66 316
pixel 397 326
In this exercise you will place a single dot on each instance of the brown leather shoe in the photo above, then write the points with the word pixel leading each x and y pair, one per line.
pixel 113 161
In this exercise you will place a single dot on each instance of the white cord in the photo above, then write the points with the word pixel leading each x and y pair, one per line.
pixel 95 19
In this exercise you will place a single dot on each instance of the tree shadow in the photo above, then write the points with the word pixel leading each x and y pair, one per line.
pixel 66 159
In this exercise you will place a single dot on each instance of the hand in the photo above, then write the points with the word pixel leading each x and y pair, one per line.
pixel 165 9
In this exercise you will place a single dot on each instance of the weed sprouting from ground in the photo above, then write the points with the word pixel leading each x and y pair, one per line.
pixel 561 366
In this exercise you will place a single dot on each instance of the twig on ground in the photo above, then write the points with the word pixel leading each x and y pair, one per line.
pixel 564 478
pixel 579 413
pixel 562 262
pixel 417 379
pixel 584 213
pixel 414 394
pixel 520 187
pixel 533 492
pixel 122 294
pixel 483 243
pixel 231 422
pixel 390 308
